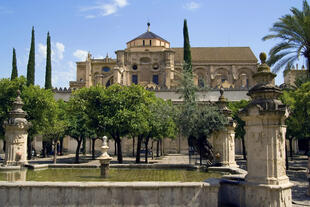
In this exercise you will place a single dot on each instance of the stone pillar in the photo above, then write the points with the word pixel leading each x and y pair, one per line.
pixel 266 182
pixel 16 135
pixel 224 140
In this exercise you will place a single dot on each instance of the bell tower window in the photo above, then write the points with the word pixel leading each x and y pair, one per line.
pixel 143 43
pixel 150 42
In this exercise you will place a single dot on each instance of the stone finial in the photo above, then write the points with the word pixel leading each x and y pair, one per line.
pixel 265 93
pixel 148 26
pixel 222 104
pixel 17 111
pixel 263 57
pixel 263 67
pixel 104 141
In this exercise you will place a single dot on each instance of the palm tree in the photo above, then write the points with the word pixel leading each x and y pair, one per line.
pixel 294 31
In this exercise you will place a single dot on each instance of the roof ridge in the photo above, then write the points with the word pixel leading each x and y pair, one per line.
pixel 148 35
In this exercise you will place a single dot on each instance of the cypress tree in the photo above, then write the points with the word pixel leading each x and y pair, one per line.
pixel 48 71
pixel 187 48
pixel 31 61
pixel 14 66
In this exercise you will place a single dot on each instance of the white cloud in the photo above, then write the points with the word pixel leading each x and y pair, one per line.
pixel 104 9
pixel 90 16
pixel 80 54
pixel 59 50
pixel 64 73
pixel 121 3
pixel 191 5
pixel 42 50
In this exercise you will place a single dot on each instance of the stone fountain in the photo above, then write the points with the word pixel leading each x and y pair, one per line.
pixel 104 159
pixel 16 136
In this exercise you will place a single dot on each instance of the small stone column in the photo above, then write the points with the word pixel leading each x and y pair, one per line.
pixel 266 182
pixel 16 135
pixel 104 159
pixel 224 140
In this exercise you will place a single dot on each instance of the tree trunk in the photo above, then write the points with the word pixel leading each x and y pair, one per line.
pixel 4 145
pixel 138 149
pixel 243 148
pixel 119 149
pixel 157 149
pixel 200 152
pixel 152 150
pixel 77 151
pixel 84 146
pixel 61 146
pixel 146 149
pixel 93 149
pixel 133 146
pixel 115 148
pixel 43 148
pixel 291 147
pixel 55 151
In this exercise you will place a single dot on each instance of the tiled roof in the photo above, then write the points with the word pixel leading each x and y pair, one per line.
pixel 218 54
pixel 149 35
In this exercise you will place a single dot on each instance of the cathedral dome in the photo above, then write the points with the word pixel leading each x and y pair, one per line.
pixel 148 39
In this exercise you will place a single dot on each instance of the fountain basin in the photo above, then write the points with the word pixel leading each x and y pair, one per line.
pixel 176 192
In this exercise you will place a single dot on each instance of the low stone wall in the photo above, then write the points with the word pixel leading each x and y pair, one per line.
pixel 110 193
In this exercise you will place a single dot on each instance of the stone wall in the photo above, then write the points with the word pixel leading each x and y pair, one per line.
pixel 109 194
pixel 203 96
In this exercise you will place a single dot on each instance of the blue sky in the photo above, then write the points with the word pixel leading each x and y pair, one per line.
pixel 104 26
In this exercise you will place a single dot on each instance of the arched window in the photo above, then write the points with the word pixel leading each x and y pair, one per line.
pixel 244 80
pixel 134 79
pixel 201 82
pixel 106 69
pixel 155 79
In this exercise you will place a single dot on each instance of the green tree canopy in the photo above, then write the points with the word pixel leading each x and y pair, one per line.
pixel 294 32
pixel 8 93
pixel 31 61
pixel 48 70
pixel 78 119
pixel 187 47
pixel 14 73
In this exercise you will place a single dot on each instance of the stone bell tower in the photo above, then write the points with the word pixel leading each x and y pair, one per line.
pixel 16 135
pixel 266 182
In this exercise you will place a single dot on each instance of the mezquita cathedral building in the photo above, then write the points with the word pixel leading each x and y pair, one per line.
pixel 150 61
